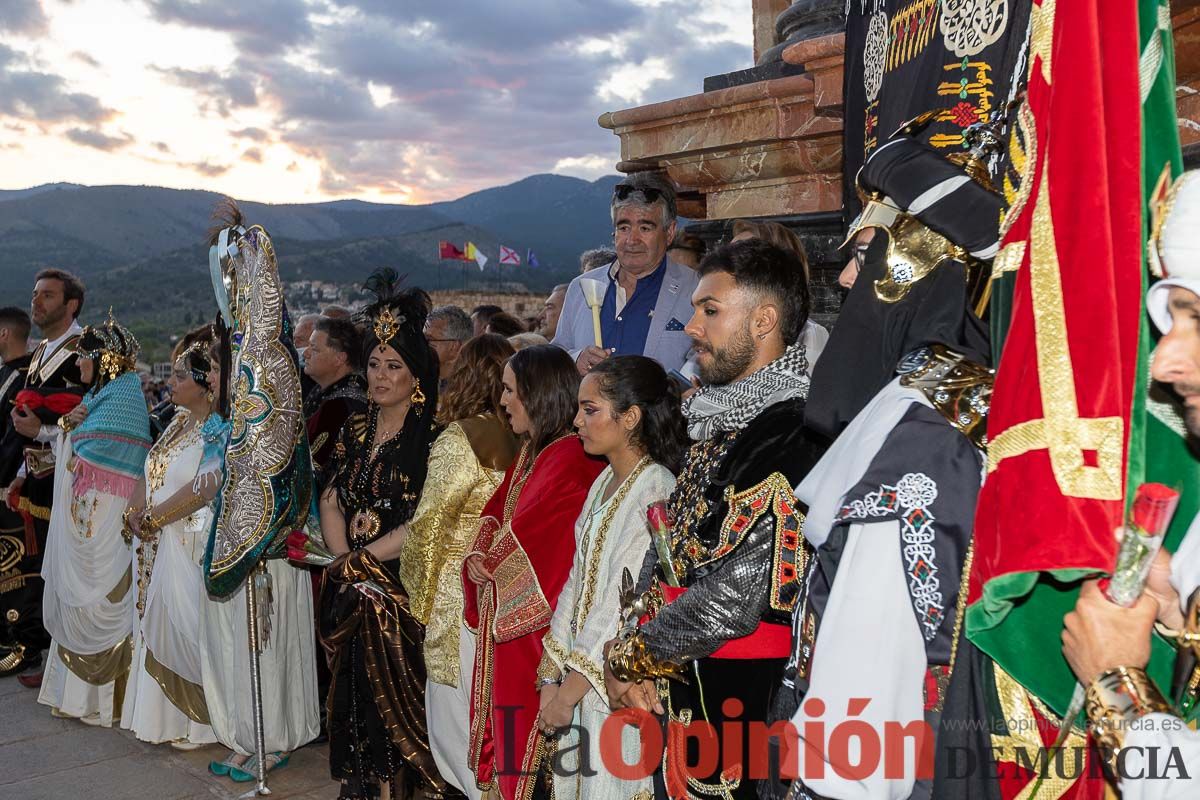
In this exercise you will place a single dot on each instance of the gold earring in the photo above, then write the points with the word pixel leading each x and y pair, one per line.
pixel 417 398
pixel 209 396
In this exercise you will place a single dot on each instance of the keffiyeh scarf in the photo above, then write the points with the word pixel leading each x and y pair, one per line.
pixel 730 407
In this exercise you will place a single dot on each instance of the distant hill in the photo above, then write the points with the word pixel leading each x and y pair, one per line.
pixel 140 249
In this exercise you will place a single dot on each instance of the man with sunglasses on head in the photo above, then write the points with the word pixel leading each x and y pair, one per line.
pixel 645 298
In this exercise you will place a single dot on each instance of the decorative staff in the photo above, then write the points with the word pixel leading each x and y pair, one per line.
pixel 268 469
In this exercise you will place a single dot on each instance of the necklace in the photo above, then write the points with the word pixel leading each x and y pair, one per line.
pixel 159 458
pixel 584 606
pixel 366 522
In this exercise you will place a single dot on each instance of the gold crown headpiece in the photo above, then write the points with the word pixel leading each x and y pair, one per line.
pixel 387 325
pixel 111 344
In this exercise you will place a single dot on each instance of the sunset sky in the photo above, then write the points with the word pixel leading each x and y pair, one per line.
pixel 305 100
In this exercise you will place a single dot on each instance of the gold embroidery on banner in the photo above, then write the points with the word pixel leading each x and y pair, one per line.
pixel 1041 39
pixel 1024 737
pixel 912 29
pixel 1008 259
pixel 1062 431
pixel 1023 156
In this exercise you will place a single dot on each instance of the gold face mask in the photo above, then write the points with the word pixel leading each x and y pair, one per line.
pixel 914 250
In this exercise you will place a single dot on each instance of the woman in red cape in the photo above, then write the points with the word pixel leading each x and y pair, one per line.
pixel 518 565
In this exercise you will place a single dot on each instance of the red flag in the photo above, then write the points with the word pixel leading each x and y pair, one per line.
pixel 1060 414
pixel 449 251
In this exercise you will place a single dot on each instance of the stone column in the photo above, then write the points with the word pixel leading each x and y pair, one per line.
pixel 765 14
pixel 801 20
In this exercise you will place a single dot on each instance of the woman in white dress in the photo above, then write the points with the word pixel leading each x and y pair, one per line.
pixel 288 661
pixel 629 414
pixel 88 598
pixel 165 700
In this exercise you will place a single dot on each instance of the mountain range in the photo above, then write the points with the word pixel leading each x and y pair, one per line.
pixel 141 249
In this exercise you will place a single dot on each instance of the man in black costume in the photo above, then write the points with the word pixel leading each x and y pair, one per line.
pixel 28 470
pixel 334 361
pixel 904 386
pixel 736 545
pixel 14 351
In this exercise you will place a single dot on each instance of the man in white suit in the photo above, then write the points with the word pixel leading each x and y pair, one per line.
pixel 645 298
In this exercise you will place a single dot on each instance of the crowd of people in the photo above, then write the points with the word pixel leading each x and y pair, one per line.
pixel 557 552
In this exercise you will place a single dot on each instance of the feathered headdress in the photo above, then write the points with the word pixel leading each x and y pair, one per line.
pixel 396 318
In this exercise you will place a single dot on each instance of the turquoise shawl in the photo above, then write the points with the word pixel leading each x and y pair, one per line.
pixel 112 441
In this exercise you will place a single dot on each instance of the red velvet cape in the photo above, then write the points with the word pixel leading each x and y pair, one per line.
pixel 528 540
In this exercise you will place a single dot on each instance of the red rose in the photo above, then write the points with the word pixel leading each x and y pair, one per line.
pixel 297 539
pixel 658 516
pixel 1153 506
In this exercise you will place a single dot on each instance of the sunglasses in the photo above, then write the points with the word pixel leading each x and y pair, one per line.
pixel 622 192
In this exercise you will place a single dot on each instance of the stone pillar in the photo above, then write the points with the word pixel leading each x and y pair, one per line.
pixel 799 21
pixel 765 14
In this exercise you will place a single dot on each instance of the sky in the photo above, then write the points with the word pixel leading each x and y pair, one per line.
pixel 403 101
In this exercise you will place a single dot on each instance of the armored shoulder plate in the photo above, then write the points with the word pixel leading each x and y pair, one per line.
pixel 959 389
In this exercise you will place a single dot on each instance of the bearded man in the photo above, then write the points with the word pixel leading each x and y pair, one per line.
pixel 735 545
pixel 57 301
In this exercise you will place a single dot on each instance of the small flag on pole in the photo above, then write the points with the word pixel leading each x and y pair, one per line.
pixel 447 251
pixel 531 258
pixel 509 256
pixel 475 253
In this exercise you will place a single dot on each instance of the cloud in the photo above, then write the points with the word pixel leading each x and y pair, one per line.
pixel 84 58
pixel 207 169
pixel 589 167
pixel 253 134
pixel 24 17
pixel 43 97
pixel 430 100
pixel 222 92
pixel 91 137
pixel 265 26
pixel 162 147
pixel 451 97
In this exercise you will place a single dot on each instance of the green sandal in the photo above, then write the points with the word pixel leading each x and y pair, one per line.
pixel 249 771
pixel 222 768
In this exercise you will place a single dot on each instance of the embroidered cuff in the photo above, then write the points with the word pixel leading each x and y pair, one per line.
pixel 631 661
pixel 547 670
pixel 1114 701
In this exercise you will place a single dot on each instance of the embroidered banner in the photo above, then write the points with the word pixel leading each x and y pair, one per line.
pixel 906 57
pixel 1060 415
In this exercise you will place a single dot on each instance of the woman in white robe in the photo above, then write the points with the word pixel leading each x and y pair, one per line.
pixel 629 415
pixel 288 661
pixel 88 600
pixel 165 700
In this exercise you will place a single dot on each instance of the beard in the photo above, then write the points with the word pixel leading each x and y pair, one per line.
pixel 1191 421
pixel 51 316
pixel 728 363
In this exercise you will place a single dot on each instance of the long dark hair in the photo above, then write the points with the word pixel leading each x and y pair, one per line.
pixel 628 381
pixel 548 387
pixel 475 385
